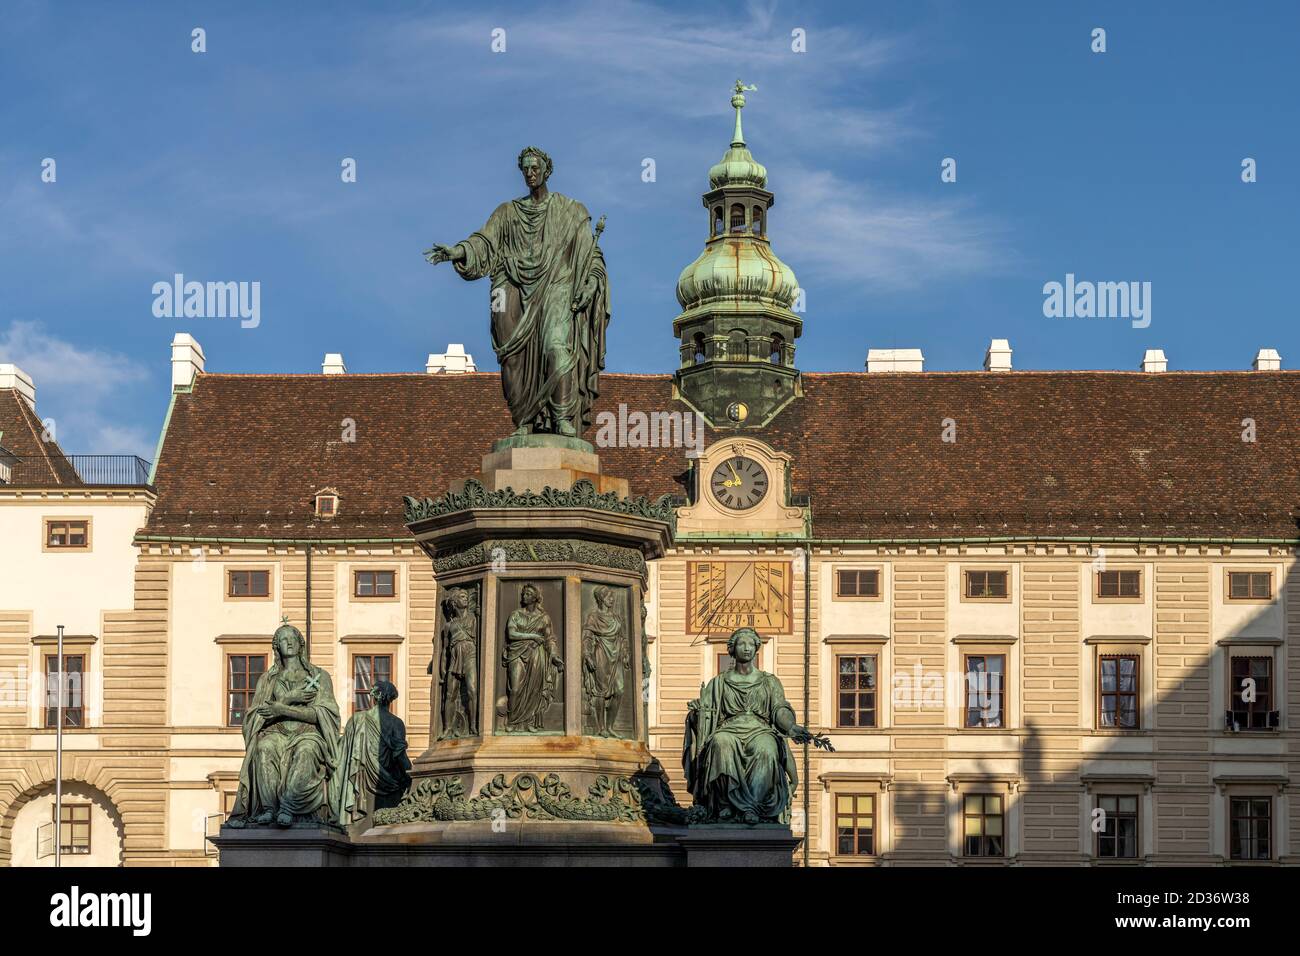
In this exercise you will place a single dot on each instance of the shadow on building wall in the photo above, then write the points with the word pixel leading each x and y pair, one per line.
pixel 1183 764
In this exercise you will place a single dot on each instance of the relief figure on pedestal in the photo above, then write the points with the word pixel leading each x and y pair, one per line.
pixel 737 758
pixel 606 662
pixel 532 663
pixel 550 301
pixel 458 667
pixel 374 769
pixel 291 739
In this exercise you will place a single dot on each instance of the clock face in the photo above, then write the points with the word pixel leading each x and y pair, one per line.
pixel 725 595
pixel 739 483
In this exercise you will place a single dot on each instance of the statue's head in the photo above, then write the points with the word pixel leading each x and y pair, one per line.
pixel 604 597
pixel 459 598
pixel 743 644
pixel 530 595
pixel 535 165
pixel 287 641
pixel 383 693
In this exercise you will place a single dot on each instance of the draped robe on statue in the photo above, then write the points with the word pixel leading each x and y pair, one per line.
pixel 604 661
pixel 373 763
pixel 736 757
pixel 550 356
pixel 531 674
pixel 289 765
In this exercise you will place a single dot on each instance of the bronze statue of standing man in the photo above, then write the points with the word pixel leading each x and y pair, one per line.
pixel 550 301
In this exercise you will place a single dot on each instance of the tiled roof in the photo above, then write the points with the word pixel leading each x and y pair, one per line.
pixel 43 463
pixel 1058 454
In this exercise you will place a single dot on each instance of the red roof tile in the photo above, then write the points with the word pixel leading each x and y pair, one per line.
pixel 41 462
pixel 1048 453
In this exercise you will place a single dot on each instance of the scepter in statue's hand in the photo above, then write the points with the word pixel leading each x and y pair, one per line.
pixel 583 296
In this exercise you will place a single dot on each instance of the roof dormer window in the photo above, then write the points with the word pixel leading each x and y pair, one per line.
pixel 327 503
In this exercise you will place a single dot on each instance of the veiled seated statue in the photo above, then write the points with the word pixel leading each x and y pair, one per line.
pixel 291 740
pixel 374 767
pixel 737 758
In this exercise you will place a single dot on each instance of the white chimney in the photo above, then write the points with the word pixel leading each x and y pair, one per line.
pixel 1154 361
pixel 454 361
pixel 1266 361
pixel 333 364
pixel 895 360
pixel 187 360
pixel 998 356
pixel 11 376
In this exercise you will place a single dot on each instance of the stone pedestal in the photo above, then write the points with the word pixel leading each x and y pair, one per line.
pixel 738 846
pixel 544 461
pixel 294 846
pixel 544 522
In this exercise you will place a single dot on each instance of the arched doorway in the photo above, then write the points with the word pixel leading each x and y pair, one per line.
pixel 92 830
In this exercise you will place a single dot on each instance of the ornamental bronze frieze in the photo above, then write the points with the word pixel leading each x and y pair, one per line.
pixel 583 494
pixel 507 551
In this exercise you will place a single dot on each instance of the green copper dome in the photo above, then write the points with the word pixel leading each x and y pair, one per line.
pixel 738 271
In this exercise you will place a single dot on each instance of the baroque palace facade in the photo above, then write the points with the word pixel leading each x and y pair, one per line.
pixel 1044 617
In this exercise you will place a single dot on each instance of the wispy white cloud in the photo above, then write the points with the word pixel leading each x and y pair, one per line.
pixel 669 72
pixel 79 389
pixel 847 231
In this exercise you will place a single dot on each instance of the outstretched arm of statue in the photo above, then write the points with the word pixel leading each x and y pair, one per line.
pixel 439 253
pixel 786 723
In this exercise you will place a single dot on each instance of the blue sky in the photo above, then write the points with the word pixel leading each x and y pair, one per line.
pixel 224 166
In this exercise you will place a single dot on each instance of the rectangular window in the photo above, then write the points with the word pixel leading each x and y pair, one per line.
pixel 248 584
pixel 1118 838
pixel 1250 692
pixel 1117 691
pixel 1250 585
pixel 67 535
pixel 242 673
pixel 74 668
pixel 367 584
pixel 1250 828
pixel 857 690
pixel 982 825
pixel 1119 584
pixel 855 824
pixel 74 828
pixel 367 669
pixel 857 583
pixel 986 584
pixel 986 690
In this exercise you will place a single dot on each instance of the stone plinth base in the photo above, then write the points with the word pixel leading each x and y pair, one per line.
pixel 763 845
pixel 295 846
pixel 534 462
pixel 516 843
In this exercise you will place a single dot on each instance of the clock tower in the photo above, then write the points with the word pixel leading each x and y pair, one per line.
pixel 737 326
